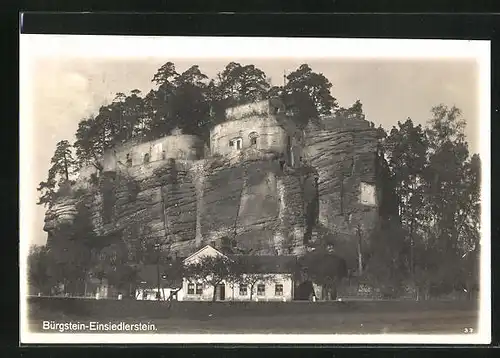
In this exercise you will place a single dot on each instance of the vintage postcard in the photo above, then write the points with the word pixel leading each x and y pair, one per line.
pixel 254 190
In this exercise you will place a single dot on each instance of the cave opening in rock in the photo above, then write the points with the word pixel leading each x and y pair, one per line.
pixel 253 138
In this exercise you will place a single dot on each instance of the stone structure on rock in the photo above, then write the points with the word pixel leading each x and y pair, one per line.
pixel 263 187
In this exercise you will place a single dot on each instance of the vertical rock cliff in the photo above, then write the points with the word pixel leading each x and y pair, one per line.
pixel 344 153
pixel 261 205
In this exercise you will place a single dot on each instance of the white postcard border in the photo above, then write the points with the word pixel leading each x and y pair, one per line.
pixel 37 46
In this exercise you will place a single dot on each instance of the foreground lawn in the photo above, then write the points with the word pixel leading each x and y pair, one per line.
pixel 367 320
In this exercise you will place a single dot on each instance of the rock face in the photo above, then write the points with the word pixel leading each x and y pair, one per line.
pixel 344 153
pixel 260 198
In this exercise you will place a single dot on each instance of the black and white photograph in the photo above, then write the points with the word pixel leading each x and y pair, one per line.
pixel 254 190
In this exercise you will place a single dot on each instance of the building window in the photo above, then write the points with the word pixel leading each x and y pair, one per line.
pixel 238 143
pixel 199 288
pixel 190 288
pixel 367 194
pixel 278 289
pixel 146 158
pixel 163 155
pixel 243 290
pixel 261 290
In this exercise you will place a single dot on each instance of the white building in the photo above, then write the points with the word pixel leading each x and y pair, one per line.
pixel 271 280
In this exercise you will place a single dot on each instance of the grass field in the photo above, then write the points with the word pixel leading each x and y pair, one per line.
pixel 285 318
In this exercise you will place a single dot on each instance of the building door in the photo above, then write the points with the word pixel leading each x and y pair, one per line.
pixel 222 292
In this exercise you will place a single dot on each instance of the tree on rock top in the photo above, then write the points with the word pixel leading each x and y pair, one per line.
pixel 307 94
pixel 190 105
pixel 355 111
pixel 243 83
pixel 61 171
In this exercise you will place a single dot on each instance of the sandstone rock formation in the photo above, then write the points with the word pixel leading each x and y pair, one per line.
pixel 263 206
pixel 344 153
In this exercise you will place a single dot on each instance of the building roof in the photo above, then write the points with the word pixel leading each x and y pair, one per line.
pixel 258 263
pixel 201 250
pixel 267 263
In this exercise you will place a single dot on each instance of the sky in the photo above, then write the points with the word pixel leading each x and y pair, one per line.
pixel 66 90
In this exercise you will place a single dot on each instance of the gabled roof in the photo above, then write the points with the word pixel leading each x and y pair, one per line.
pixel 201 250
pixel 257 263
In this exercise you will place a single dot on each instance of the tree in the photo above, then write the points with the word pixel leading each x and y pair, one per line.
pixel 452 192
pixel 445 175
pixel 355 111
pixel 308 94
pixel 158 102
pixel 173 275
pixel 96 134
pixel 38 269
pixel 242 84
pixel 108 122
pixel 437 188
pixel 211 270
pixel 165 75
pixel 113 261
pixel 469 212
pixel 128 114
pixel 190 104
pixel 406 151
pixel 89 146
pixel 69 260
pixel 385 266
pixel 324 268
pixel 63 163
pixel 247 272
pixel 62 168
pixel 47 191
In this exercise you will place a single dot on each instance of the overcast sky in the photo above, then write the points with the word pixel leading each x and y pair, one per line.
pixel 67 90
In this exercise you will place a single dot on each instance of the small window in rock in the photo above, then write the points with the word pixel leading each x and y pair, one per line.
pixel 231 143
pixel 146 158
pixel 367 194
pixel 253 141
pixel 238 144
pixel 129 160
pixel 163 155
